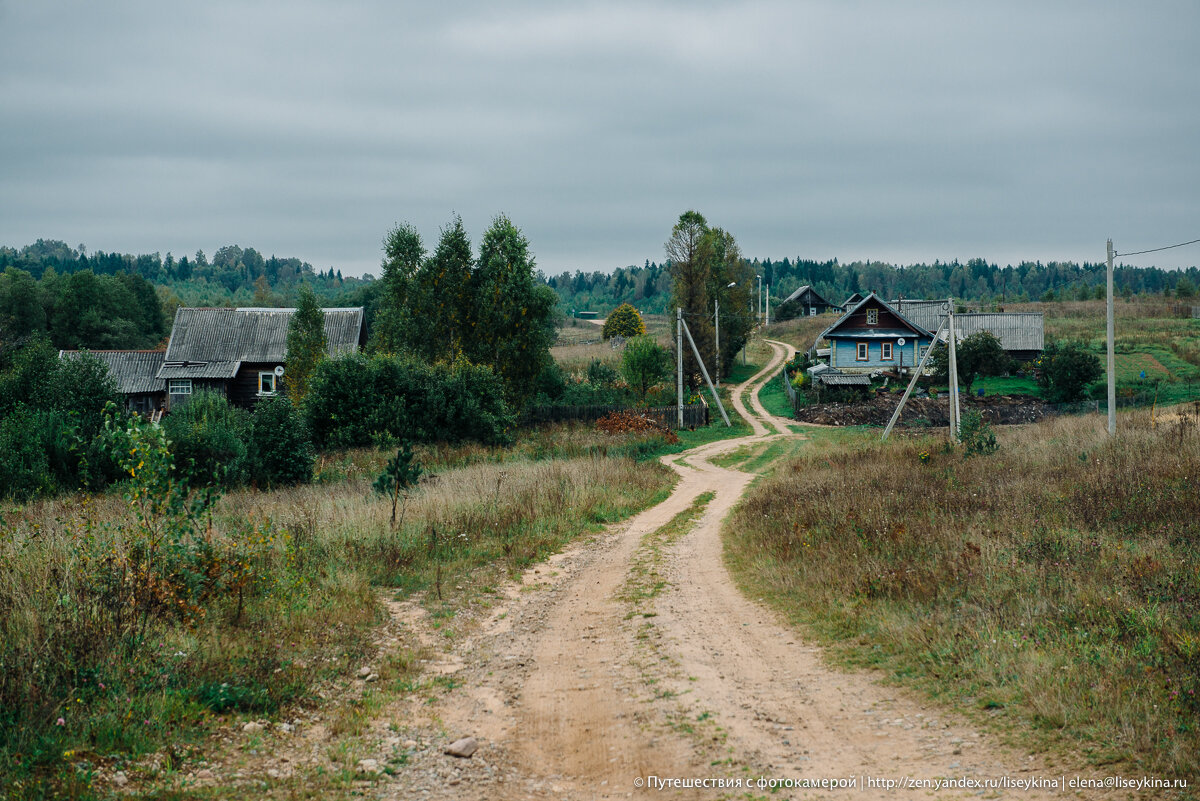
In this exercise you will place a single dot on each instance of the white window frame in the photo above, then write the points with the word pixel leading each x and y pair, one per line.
pixel 872 316
pixel 274 386
pixel 862 352
pixel 885 352
pixel 179 386
pixel 812 311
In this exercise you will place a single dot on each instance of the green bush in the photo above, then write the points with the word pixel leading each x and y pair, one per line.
pixel 208 439
pixel 976 434
pixel 24 463
pixel 624 321
pixel 51 411
pixel 357 400
pixel 600 374
pixel 1066 370
pixel 281 452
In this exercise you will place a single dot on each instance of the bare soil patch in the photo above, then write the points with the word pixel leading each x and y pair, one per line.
pixel 925 412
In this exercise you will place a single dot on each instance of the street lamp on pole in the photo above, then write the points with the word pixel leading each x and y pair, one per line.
pixel 717 326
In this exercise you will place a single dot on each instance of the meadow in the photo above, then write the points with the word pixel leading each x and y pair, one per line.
pixel 130 626
pixel 1050 589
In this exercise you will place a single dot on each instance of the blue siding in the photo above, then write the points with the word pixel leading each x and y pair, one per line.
pixel 846 351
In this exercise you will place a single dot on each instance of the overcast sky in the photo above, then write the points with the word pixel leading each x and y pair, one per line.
pixel 894 131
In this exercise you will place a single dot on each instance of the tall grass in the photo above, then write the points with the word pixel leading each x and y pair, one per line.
pixel 1056 582
pixel 117 639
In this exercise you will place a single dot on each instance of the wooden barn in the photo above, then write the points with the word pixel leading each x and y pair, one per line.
pixel 242 352
pixel 808 303
pixel 136 375
pixel 873 337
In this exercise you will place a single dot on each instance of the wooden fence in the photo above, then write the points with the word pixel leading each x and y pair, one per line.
pixel 694 415
pixel 793 396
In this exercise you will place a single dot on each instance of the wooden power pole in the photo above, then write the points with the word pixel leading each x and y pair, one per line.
pixel 1112 373
pixel 679 359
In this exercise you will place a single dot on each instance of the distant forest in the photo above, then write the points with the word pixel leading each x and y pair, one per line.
pixel 649 287
pixel 118 300
pixel 114 300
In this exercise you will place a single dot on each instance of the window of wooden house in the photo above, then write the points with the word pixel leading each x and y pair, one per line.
pixel 862 352
pixel 872 316
pixel 179 386
pixel 266 383
pixel 885 351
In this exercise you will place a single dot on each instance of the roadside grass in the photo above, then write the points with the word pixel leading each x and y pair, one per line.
pixel 84 693
pixel 1050 588
pixel 774 398
pixel 802 332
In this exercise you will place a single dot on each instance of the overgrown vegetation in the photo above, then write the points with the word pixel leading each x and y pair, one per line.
pixel 51 411
pixel 1053 583
pixel 132 623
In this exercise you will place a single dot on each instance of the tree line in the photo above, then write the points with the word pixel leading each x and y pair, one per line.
pixel 649 286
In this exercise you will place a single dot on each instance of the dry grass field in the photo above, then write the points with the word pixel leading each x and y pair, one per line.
pixel 129 627
pixel 1053 587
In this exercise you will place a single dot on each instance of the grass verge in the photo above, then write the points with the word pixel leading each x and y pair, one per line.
pixel 1051 587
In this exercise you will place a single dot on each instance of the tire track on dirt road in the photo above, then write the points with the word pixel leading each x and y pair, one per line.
pixel 572 696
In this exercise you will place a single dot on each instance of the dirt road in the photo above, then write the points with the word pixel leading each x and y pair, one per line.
pixel 632 660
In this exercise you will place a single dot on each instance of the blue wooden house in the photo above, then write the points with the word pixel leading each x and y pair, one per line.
pixel 873 337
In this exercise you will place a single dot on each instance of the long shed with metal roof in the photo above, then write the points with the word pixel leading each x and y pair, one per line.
pixel 1021 334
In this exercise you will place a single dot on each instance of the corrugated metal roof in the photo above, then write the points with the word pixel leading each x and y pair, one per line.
pixel 211 343
pixel 836 379
pixel 1015 330
pixel 221 369
pixel 135 371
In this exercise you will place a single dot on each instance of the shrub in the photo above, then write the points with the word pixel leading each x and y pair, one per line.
pixel 208 439
pixel 644 363
pixel 624 322
pixel 281 452
pixel 1066 370
pixel 356 400
pixel 976 434
pixel 600 374
pixel 51 411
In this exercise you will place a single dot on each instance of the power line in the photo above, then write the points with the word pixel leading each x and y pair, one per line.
pixel 1155 250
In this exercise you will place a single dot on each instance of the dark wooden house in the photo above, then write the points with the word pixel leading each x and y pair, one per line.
pixel 808 303
pixel 136 375
pixel 242 352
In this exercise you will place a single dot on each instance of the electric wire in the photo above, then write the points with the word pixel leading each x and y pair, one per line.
pixel 1155 250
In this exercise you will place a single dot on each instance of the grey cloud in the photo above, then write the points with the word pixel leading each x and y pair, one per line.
pixel 895 131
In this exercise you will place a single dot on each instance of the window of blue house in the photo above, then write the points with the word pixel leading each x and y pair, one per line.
pixel 885 351
pixel 862 352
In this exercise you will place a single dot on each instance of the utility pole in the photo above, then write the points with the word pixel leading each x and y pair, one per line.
pixel 759 277
pixel 1112 373
pixel 717 326
pixel 768 304
pixel 955 419
pixel 679 358
pixel 704 372
pixel 916 374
